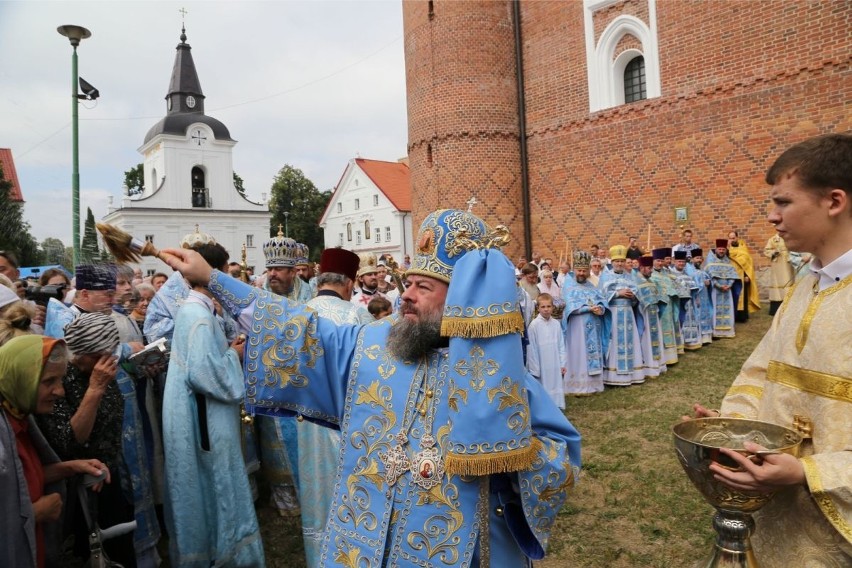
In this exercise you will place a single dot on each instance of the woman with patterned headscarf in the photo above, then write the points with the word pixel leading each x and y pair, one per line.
pixel 31 371
pixel 100 417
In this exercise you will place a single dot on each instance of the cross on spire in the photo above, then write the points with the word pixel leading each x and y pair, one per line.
pixel 280 230
pixel 183 14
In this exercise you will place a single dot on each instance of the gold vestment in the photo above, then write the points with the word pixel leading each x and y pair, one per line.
pixel 802 371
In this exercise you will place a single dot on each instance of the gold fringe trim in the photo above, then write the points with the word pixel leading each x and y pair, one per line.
pixel 488 326
pixel 489 464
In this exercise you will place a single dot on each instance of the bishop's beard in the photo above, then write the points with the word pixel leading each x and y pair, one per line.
pixel 409 339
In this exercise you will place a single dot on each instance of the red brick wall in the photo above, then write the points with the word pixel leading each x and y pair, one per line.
pixel 741 81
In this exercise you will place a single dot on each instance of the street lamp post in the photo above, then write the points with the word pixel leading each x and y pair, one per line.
pixel 286 224
pixel 75 34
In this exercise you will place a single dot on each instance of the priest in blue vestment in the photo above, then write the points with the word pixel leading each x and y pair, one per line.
pixel 208 503
pixel 452 454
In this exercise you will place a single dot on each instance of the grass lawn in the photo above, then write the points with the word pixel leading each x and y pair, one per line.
pixel 634 506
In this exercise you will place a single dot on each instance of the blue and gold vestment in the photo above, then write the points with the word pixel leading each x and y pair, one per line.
pixel 297 362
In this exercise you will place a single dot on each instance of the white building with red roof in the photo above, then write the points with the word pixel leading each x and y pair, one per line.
pixel 370 209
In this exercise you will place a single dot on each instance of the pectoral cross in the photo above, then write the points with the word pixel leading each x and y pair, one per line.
pixel 396 460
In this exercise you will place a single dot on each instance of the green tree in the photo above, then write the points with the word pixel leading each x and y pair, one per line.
pixel 238 183
pixel 296 195
pixel 134 180
pixel 53 251
pixel 89 250
pixel 14 231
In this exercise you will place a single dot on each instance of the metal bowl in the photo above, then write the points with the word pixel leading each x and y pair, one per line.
pixel 697 443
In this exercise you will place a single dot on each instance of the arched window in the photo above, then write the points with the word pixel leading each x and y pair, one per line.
pixel 348 231
pixel 199 188
pixel 634 80
pixel 367 229
pixel 608 59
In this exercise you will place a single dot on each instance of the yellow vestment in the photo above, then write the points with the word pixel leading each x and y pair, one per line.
pixel 803 368
pixel 744 264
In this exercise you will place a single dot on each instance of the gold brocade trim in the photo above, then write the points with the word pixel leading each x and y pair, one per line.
pixel 814 382
pixel 484 512
pixel 488 464
pixel 789 294
pixel 824 500
pixel 810 313
pixel 747 390
pixel 489 326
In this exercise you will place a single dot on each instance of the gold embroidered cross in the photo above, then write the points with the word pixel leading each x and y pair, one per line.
pixel 478 367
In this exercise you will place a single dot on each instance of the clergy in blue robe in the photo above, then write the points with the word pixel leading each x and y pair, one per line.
pixel 723 276
pixel 582 325
pixel 687 289
pixel 623 363
pixel 209 512
pixel 702 299
pixel 320 444
pixel 651 332
pixel 387 385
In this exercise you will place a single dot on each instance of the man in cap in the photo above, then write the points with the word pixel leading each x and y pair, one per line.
pixel 669 310
pixel 320 445
pixel 367 280
pixel 650 329
pixel 799 374
pixel 582 323
pixel 723 276
pixel 95 285
pixel 420 436
pixel 623 358
pixel 687 289
pixel 703 301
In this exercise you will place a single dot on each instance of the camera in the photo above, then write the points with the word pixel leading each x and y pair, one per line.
pixel 41 295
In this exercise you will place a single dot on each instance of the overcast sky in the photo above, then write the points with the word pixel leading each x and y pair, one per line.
pixel 311 83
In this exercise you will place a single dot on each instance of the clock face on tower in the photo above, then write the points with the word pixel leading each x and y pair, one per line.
pixel 190 101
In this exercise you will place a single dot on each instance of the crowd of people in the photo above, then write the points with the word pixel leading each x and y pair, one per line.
pixel 373 400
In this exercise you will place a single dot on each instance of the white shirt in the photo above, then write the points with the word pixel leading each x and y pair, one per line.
pixel 834 272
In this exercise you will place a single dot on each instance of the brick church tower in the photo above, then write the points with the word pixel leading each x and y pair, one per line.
pixel 463 109
pixel 636 113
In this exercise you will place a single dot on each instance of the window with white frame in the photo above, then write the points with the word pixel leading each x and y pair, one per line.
pixel 358 237
pixel 378 235
pixel 340 240
pixel 349 232
pixel 249 241
pixel 357 204
pixel 149 239
pixel 376 200
pixel 634 80
pixel 367 229
pixel 340 207
pixel 606 66
pixel 387 234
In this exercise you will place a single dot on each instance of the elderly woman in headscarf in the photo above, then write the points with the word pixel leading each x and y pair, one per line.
pixel 100 417
pixel 31 495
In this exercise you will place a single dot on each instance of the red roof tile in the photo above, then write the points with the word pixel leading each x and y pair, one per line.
pixel 11 174
pixel 392 178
